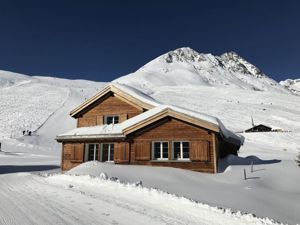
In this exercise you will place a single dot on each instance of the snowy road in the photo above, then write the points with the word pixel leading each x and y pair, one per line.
pixel 63 199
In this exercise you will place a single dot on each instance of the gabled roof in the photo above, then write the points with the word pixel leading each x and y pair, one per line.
pixel 163 111
pixel 124 92
pixel 147 118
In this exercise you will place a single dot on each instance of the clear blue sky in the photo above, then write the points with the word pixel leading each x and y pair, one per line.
pixel 102 40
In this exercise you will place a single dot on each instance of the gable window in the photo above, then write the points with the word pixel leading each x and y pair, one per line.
pixel 111 119
pixel 160 150
pixel 181 150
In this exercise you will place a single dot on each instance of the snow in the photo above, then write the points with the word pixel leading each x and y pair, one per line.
pixel 102 131
pixel 64 199
pixel 137 94
pixel 292 85
pixel 228 70
pixel 223 88
pixel 117 130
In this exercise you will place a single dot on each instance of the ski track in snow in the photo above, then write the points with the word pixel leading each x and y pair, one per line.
pixel 64 199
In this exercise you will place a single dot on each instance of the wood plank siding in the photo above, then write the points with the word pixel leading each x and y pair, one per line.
pixel 108 105
pixel 73 155
pixel 137 148
pixel 170 130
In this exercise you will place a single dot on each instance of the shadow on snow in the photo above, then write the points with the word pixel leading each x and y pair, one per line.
pixel 26 168
pixel 233 160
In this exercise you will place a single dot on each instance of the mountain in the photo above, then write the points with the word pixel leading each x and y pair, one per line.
pixel 225 86
pixel 185 66
pixel 292 85
pixel 40 105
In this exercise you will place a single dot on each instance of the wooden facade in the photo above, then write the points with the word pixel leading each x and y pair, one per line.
pixel 201 146
pixel 203 140
pixel 108 105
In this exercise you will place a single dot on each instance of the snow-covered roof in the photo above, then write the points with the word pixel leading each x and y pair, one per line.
pixel 136 94
pixel 131 94
pixel 103 131
pixel 122 129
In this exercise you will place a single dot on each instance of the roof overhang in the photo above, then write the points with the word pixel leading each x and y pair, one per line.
pixel 96 137
pixel 173 114
pixel 118 93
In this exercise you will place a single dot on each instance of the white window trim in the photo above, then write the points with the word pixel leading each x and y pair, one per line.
pixel 161 150
pixel 109 149
pixel 87 151
pixel 113 116
pixel 181 151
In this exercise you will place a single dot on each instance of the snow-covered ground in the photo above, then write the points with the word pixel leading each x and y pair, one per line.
pixel 64 199
pixel 226 87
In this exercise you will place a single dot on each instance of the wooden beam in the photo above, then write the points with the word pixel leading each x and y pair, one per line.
pixel 215 153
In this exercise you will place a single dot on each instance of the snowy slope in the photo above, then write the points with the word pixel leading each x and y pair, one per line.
pixel 185 66
pixel 85 200
pixel 41 105
pixel 292 85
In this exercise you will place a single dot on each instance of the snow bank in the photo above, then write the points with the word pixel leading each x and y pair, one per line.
pixel 226 190
pixel 181 209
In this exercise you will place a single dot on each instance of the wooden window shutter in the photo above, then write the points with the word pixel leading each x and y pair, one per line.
pixel 67 151
pixel 142 150
pixel 117 152
pixel 121 152
pixel 100 120
pixel 125 153
pixel 199 151
pixel 78 152
pixel 123 117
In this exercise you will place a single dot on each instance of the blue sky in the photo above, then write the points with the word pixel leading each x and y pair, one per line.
pixel 102 40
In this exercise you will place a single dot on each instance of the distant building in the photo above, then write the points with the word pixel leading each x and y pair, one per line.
pixel 259 128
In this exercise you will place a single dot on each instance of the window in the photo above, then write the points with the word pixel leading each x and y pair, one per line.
pixel 111 119
pixel 160 150
pixel 92 152
pixel 107 153
pixel 181 150
pixel 103 154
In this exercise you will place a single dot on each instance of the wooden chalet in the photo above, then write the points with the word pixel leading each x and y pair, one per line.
pixel 125 126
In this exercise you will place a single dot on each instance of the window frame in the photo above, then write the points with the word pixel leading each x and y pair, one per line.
pixel 181 150
pixel 108 153
pixel 86 148
pixel 113 119
pixel 161 150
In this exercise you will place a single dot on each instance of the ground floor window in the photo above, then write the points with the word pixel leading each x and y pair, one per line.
pixel 107 152
pixel 103 152
pixel 160 150
pixel 93 152
pixel 181 150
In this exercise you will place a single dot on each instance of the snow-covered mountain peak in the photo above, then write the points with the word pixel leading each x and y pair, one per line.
pixel 292 85
pixel 185 66
pixel 184 54
pixel 236 63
